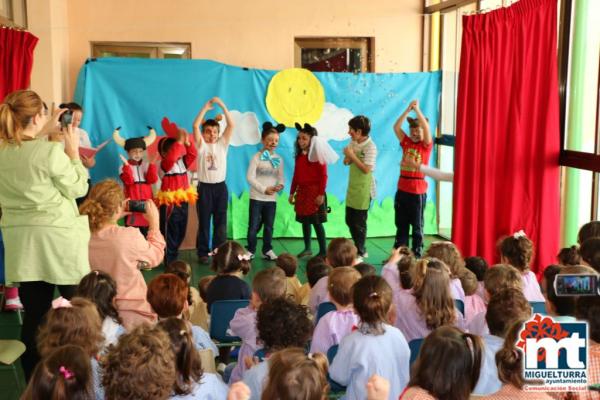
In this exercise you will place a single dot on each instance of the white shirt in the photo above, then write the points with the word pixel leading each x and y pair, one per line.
pixel 212 161
pixel 261 174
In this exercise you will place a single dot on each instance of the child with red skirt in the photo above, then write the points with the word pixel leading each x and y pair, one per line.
pixel 307 192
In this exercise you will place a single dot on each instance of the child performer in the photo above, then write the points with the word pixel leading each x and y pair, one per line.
pixel 360 155
pixel 308 185
pixel 212 170
pixel 265 175
pixel 411 196
pixel 177 153
pixel 137 175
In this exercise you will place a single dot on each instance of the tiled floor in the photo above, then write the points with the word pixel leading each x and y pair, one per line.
pixel 378 249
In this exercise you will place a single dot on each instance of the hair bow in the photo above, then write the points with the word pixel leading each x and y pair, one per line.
pixel 66 372
pixel 519 234
pixel 307 127
pixel 266 156
pixel 61 302
pixel 244 257
pixel 214 252
pixel 268 126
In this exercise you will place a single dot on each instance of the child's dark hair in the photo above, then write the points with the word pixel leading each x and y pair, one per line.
pixel 288 263
pixel 167 294
pixel 211 122
pixel 588 309
pixel 589 230
pixel 283 323
pixel 65 374
pixel 165 144
pixel 362 123
pixel 341 252
pixel 477 265
pixel 365 269
pixel 569 256
pixel 563 305
pixel 187 359
pixel 306 129
pixel 316 270
pixel 372 299
pixel 518 251
pixel 100 288
pixel 432 294
pixel 590 252
pixel 71 106
pixel 504 308
pixel 509 359
pixel 448 364
pixel 406 264
pixel 229 258
pixel 269 284
pixel 184 271
pixel 293 375
pixel 268 128
pixel 203 284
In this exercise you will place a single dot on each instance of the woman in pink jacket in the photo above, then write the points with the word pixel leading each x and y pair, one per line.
pixel 120 251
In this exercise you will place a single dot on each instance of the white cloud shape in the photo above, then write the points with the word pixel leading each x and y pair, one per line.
pixel 246 128
pixel 333 123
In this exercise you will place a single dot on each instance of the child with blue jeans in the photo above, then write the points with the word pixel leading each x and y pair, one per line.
pixel 265 176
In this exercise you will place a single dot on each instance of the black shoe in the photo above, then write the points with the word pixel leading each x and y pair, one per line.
pixel 305 253
pixel 204 259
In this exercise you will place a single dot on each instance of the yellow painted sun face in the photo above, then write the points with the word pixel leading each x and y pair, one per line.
pixel 295 95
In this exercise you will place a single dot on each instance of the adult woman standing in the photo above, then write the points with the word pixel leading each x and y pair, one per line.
pixel 45 238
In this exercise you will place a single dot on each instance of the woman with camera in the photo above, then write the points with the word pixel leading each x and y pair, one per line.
pixel 121 251
pixel 45 238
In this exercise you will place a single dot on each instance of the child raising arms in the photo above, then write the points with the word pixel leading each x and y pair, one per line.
pixel 411 196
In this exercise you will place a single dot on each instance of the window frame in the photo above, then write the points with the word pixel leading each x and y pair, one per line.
pixel 154 49
pixel 364 43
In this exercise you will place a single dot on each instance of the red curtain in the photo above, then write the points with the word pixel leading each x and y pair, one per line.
pixel 507 133
pixel 16 59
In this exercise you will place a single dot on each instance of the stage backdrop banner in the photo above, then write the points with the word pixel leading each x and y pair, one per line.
pixel 134 93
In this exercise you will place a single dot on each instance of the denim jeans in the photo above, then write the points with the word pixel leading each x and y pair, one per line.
pixel 262 213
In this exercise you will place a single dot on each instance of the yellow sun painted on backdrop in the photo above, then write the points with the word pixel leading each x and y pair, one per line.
pixel 295 95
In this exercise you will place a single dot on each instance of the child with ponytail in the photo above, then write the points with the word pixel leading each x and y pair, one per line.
pixel 517 250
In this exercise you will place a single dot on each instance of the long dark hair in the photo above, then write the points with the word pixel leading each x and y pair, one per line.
pixel 101 289
pixel 306 129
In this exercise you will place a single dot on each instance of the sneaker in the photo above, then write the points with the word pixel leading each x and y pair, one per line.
pixel 203 259
pixel 250 254
pixel 13 304
pixel 305 253
pixel 359 259
pixel 365 255
pixel 270 255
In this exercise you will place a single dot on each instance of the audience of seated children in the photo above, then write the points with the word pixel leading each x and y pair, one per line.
pixel 101 290
pixel 168 294
pixel 517 250
pixel 562 308
pixel 590 252
pixel 335 325
pixel 267 285
pixel 294 289
pixel 588 309
pixel 510 360
pixel 478 266
pixel 365 269
pixel 140 366
pixel 75 322
pixel 118 250
pixel 474 304
pixel 431 304
pixel 64 374
pixel 569 256
pixel 375 346
pixel 340 253
pixel 191 381
pixel 281 323
pixel 231 263
pixel 447 367
pixel 497 278
pixel 504 308
pixel 196 311
pixel 296 375
pixel 448 253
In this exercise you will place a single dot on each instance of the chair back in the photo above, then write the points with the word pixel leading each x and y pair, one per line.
pixel 221 313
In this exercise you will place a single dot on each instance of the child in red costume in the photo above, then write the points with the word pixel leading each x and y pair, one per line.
pixel 178 153
pixel 137 174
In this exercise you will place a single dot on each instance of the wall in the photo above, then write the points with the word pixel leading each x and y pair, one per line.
pixel 258 33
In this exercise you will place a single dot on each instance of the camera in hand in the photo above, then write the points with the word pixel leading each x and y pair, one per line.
pixel 136 206
pixel 66 118
pixel 576 285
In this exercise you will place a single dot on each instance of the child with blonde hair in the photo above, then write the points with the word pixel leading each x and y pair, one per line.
pixel 375 346
pixel 289 264
pixel 448 253
pixel 517 250
pixel 335 325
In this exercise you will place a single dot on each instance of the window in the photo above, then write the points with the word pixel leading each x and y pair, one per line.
pixel 13 13
pixel 141 50
pixel 334 54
